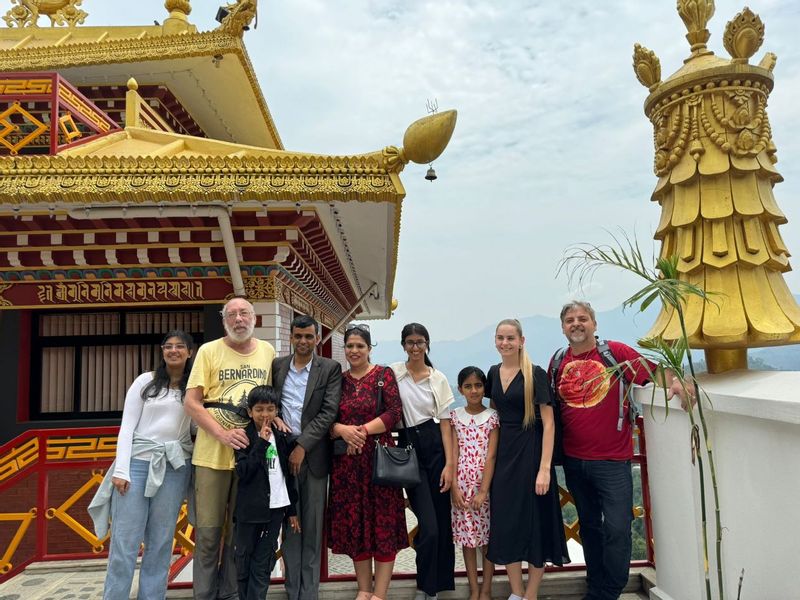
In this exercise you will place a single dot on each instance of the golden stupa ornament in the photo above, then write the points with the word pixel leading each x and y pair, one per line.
pixel 715 160
pixel 26 13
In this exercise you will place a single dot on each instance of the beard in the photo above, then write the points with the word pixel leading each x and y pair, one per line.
pixel 577 337
pixel 237 337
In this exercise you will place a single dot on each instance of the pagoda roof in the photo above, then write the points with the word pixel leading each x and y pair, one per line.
pixel 209 71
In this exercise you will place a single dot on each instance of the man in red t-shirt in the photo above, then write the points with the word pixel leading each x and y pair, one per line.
pixel 597 453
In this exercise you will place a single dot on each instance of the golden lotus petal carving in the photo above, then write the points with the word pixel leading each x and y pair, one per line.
pixel 696 14
pixel 769 61
pixel 646 66
pixel 426 138
pixel 744 35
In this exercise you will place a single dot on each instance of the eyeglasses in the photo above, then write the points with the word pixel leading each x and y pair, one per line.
pixel 415 343
pixel 169 347
pixel 357 326
pixel 232 314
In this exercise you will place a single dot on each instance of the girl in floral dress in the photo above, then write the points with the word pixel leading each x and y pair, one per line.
pixel 475 446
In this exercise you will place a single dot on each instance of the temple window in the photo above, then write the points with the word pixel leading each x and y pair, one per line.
pixel 83 362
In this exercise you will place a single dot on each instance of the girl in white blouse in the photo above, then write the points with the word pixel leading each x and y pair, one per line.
pixel 426 398
pixel 144 488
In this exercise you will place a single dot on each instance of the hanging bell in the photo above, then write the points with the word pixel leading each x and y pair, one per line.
pixel 431 174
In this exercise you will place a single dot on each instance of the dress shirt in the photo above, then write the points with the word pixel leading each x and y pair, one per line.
pixel 293 395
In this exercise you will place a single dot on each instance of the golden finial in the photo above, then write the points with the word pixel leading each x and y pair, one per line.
pixel 178 20
pixel 646 66
pixel 715 159
pixel 177 8
pixel 132 84
pixel 696 15
pixel 743 36
pixel 426 138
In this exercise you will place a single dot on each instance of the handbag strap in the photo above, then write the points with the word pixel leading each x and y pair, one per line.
pixel 379 401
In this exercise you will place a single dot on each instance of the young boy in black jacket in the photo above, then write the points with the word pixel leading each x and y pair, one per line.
pixel 266 494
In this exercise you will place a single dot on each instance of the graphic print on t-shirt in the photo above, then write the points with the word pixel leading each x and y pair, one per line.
pixel 583 383
pixel 237 384
pixel 271 456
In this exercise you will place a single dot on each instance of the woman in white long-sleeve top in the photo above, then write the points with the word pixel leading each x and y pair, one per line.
pixel 144 488
pixel 426 397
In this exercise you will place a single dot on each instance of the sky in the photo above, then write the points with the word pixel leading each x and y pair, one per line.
pixel 551 147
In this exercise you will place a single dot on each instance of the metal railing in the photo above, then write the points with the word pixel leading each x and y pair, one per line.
pixel 48 477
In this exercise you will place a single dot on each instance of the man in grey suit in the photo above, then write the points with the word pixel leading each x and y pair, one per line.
pixel 310 388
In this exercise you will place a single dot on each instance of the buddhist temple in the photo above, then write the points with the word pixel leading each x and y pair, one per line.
pixel 143 183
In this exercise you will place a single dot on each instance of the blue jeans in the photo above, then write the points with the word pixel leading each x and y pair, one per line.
pixel 603 493
pixel 136 519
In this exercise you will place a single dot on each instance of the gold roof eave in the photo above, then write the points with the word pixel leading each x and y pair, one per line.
pixel 143 165
pixel 140 165
pixel 43 50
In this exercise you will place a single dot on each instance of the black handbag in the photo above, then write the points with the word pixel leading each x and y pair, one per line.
pixel 394 466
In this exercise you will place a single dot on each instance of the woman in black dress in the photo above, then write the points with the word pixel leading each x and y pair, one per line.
pixel 529 526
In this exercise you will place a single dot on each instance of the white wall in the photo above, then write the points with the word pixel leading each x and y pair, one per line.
pixel 337 349
pixel 754 422
pixel 274 325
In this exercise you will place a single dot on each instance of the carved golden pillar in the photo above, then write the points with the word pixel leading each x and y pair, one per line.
pixel 715 160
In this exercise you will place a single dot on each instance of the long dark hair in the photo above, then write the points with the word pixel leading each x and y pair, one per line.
pixel 417 329
pixel 161 379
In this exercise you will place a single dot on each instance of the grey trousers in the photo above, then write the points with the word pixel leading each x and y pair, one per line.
pixel 302 551
pixel 214 576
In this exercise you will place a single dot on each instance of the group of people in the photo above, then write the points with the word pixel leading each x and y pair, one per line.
pixel 279 439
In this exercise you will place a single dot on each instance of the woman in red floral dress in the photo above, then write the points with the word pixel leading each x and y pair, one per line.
pixel 365 521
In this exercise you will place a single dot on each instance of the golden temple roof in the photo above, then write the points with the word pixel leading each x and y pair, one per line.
pixel 210 71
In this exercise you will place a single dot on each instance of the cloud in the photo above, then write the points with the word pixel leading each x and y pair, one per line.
pixel 551 146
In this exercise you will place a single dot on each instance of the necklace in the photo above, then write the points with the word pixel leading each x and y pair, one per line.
pixel 506 381
pixel 360 376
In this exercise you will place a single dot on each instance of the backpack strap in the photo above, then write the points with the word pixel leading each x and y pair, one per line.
pixel 555 365
pixel 624 382
pixel 558 443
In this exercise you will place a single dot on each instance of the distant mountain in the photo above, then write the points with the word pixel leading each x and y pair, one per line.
pixel 781 358
pixel 543 336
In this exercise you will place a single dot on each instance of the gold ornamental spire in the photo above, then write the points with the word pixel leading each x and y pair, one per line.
pixel 178 20
pixel 715 160
pixel 695 15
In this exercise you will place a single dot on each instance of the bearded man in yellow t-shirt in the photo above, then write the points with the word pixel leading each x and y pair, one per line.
pixel 223 373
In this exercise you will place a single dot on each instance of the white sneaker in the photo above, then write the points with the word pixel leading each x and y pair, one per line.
pixel 515 597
